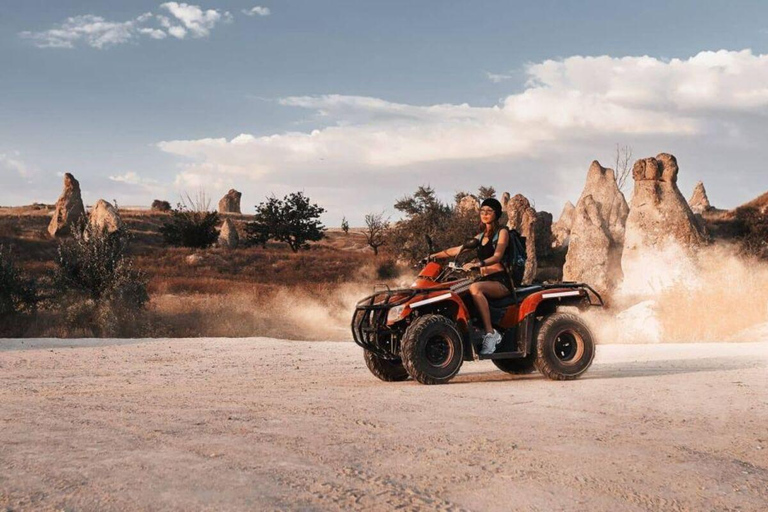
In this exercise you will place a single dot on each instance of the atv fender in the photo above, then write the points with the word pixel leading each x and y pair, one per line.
pixel 542 303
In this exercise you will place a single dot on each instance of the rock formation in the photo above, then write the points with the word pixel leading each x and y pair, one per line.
pixel 468 204
pixel 591 254
pixel 596 236
pixel 660 221
pixel 699 202
pixel 159 205
pixel 104 217
pixel 561 230
pixel 228 236
pixel 543 228
pixel 69 208
pixel 230 203
pixel 522 217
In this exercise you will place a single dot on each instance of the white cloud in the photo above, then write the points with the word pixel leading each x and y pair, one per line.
pixel 497 78
pixel 567 105
pixel 97 32
pixel 132 178
pixel 154 33
pixel 257 11
pixel 12 162
pixel 195 20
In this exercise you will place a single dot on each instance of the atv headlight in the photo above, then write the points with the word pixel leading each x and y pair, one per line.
pixel 394 313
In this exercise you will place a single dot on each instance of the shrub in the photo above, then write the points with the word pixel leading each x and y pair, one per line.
pixel 293 220
pixel 387 269
pixel 752 231
pixel 18 297
pixel 345 225
pixel 97 285
pixel 191 224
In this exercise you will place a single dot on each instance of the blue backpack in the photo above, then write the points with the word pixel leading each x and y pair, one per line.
pixel 515 256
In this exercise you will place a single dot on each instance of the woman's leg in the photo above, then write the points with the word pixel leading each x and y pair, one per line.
pixel 481 292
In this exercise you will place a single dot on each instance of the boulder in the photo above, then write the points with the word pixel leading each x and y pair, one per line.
pixel 596 235
pixel 159 205
pixel 230 203
pixel 69 212
pixel 104 217
pixel 228 237
pixel 699 202
pixel 561 230
pixel 522 217
pixel 660 222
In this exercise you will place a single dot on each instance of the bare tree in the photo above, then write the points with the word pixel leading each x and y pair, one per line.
pixel 376 228
pixel 623 165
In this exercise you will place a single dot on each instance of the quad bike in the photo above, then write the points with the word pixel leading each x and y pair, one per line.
pixel 428 330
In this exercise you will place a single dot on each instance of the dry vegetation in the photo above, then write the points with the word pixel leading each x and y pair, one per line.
pixel 248 291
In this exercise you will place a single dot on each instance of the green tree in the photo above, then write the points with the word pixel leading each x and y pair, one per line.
pixel 345 225
pixel 293 220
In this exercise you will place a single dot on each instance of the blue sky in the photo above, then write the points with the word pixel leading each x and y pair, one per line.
pixel 454 94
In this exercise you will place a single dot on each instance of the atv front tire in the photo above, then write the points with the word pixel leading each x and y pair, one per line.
pixel 522 366
pixel 564 346
pixel 385 369
pixel 432 349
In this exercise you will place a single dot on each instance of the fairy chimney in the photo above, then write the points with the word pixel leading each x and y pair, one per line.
pixel 69 212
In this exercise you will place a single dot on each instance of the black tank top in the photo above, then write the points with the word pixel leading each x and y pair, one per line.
pixel 486 251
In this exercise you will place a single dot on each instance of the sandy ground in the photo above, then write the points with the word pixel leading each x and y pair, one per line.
pixel 261 424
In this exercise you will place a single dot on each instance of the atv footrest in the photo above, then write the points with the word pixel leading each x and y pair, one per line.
pixel 503 355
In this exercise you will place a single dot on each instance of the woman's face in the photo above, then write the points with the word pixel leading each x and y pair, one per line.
pixel 487 215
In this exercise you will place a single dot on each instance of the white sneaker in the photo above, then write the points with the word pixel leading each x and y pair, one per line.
pixel 490 340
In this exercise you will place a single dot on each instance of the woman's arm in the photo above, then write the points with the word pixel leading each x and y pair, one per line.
pixel 453 251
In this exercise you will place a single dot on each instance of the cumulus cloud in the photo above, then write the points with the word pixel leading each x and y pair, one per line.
pixel 97 32
pixel 257 11
pixel 195 20
pixel 566 104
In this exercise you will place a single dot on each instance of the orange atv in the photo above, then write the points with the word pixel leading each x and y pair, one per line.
pixel 428 331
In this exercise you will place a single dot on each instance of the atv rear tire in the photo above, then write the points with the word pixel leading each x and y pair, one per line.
pixel 385 369
pixel 432 349
pixel 564 346
pixel 522 366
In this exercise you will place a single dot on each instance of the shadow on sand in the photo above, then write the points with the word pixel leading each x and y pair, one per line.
pixel 631 369
pixel 11 344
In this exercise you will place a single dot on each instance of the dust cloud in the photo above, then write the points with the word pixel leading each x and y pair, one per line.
pixel 710 295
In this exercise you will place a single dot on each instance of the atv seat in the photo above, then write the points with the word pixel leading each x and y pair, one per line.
pixel 519 294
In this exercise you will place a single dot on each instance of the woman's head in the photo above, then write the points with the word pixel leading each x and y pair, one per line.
pixel 490 211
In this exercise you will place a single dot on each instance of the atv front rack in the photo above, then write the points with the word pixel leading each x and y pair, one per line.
pixel 369 322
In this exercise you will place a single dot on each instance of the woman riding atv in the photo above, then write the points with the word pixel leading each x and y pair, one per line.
pixel 494 282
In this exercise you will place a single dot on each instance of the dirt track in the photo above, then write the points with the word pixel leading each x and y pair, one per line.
pixel 244 424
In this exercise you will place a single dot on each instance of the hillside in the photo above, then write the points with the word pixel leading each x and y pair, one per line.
pixel 214 293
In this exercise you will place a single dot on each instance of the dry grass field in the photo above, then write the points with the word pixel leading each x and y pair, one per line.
pixel 249 291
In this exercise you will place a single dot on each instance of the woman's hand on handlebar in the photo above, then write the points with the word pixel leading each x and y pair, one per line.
pixel 470 266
